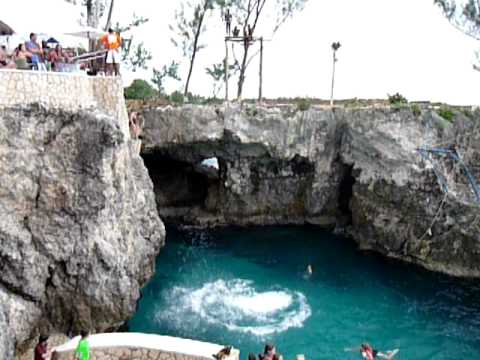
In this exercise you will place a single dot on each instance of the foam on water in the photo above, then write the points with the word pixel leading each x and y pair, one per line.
pixel 237 306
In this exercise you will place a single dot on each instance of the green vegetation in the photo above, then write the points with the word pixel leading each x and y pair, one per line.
pixel 446 112
pixel 397 99
pixel 159 76
pixel 139 90
pixel 177 98
pixel 251 111
pixel 354 103
pixel 303 104
pixel 416 110
pixel 468 113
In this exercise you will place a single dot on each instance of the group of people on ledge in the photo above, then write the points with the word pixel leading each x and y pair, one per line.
pixel 43 351
pixel 33 55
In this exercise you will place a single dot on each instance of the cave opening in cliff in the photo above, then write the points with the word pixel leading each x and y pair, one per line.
pixel 345 193
pixel 181 186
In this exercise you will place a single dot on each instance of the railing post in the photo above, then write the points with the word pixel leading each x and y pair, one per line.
pixel 226 69
pixel 260 95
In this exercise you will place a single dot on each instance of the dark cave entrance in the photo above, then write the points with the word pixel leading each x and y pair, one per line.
pixel 345 193
pixel 181 187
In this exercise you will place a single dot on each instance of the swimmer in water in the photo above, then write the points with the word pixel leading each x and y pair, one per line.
pixel 309 270
pixel 369 353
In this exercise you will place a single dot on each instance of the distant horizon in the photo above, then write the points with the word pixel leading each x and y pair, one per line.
pixel 315 100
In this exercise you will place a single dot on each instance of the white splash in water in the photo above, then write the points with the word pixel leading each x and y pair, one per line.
pixel 237 306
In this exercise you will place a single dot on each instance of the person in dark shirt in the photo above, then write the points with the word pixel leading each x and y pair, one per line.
pixel 41 350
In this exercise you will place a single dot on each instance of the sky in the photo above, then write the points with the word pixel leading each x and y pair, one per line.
pixel 388 46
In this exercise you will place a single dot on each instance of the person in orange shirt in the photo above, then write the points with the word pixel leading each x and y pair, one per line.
pixel 112 42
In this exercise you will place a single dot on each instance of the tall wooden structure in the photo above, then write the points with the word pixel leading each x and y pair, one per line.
pixel 243 39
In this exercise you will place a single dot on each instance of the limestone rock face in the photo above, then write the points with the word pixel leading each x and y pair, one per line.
pixel 79 230
pixel 354 169
pixel 398 205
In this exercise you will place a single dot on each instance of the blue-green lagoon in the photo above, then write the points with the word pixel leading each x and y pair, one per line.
pixel 246 287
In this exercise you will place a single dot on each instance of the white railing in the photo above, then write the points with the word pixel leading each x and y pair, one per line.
pixel 176 347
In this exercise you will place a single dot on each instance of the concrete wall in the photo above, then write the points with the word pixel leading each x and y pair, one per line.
pixel 125 353
pixel 65 91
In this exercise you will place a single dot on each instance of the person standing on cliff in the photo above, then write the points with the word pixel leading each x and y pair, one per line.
pixel 83 348
pixel 112 42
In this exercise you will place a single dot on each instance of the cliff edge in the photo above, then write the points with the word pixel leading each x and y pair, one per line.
pixel 79 230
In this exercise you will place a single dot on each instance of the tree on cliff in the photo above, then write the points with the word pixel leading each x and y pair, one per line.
pixel 188 28
pixel 94 11
pixel 159 76
pixel 217 74
pixel 139 89
pixel 134 55
pixel 465 16
pixel 335 47
pixel 249 15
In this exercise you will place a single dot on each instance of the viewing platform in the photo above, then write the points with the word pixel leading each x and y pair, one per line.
pixel 139 346
pixel 70 92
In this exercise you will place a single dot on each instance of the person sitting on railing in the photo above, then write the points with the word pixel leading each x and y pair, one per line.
pixel 5 62
pixel 58 56
pixel 112 42
pixel 21 57
pixel 37 52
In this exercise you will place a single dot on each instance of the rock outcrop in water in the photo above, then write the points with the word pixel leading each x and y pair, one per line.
pixel 79 230
pixel 356 169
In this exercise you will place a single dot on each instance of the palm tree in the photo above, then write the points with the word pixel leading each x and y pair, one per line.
pixel 335 47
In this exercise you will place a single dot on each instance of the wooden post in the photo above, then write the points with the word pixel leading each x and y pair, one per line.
pixel 226 69
pixel 260 95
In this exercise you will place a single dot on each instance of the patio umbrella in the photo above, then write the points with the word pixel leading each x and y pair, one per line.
pixel 52 41
pixel 87 32
pixel 5 29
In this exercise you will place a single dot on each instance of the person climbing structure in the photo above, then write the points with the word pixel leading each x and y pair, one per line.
pixel 250 33
pixel 228 22
pixel 236 32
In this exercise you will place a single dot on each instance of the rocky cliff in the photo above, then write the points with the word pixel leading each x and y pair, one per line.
pixel 79 230
pixel 356 170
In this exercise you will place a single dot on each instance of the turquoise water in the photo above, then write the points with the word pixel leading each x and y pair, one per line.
pixel 246 287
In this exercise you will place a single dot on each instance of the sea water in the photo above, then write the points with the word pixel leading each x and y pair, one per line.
pixel 248 287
